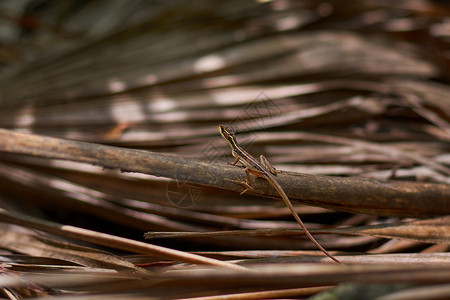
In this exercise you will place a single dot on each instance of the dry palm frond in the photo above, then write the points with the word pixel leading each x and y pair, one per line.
pixel 109 114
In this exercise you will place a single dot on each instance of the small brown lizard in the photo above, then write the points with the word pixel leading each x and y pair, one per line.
pixel 264 170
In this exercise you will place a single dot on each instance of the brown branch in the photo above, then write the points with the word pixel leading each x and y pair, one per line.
pixel 346 194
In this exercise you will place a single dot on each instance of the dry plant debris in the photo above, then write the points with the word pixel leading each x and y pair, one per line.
pixel 108 131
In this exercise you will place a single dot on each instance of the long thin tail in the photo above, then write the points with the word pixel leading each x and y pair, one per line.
pixel 299 221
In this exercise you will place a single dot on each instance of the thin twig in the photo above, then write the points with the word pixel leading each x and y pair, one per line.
pixel 108 240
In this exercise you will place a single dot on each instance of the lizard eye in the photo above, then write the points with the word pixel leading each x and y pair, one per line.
pixel 227 130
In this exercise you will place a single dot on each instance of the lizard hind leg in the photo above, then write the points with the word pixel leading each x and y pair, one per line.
pixel 267 164
pixel 247 184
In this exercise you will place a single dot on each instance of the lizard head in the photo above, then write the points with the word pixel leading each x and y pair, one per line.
pixel 227 132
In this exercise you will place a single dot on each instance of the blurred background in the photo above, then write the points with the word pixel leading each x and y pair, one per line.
pixel 355 89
